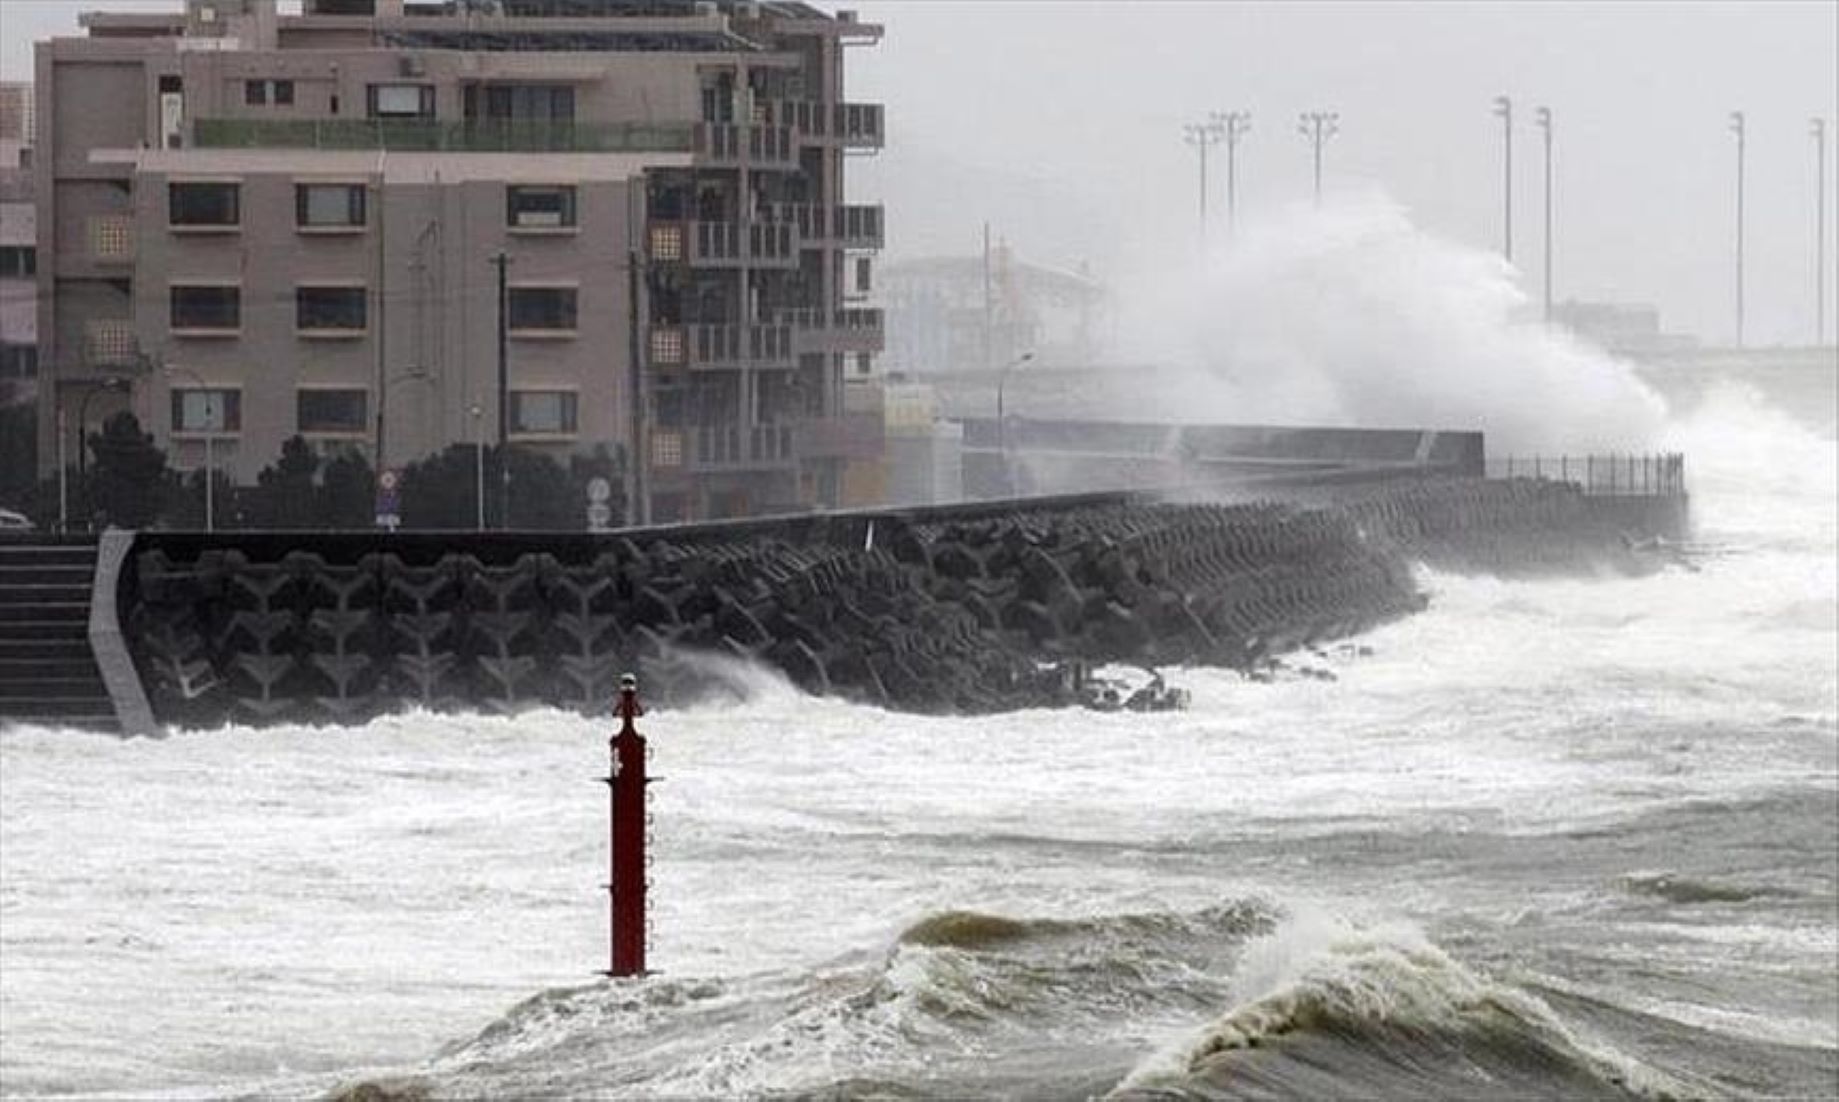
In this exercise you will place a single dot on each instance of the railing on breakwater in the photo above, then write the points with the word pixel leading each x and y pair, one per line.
pixel 1652 475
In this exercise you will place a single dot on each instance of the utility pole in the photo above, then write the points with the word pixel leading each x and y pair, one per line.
pixel 1736 127
pixel 1202 135
pixel 1819 231
pixel 1543 117
pixel 987 317
pixel 1504 108
pixel 1234 124
pixel 503 263
pixel 1318 127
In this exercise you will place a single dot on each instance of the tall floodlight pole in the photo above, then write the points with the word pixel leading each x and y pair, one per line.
pixel 1736 127
pixel 1819 231
pixel 1202 135
pixel 1503 107
pixel 1542 117
pixel 1233 124
pixel 1318 127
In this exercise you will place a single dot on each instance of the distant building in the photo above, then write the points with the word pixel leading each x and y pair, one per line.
pixel 1627 330
pixel 274 224
pixel 18 251
pixel 966 313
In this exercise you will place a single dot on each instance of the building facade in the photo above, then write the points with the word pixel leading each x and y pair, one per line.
pixel 18 269
pixel 394 227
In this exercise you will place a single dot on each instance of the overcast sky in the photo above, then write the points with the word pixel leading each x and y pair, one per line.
pixel 1060 123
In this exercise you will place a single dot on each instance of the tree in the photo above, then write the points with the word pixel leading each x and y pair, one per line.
pixel 347 492
pixel 18 455
pixel 128 478
pixel 286 494
pixel 442 490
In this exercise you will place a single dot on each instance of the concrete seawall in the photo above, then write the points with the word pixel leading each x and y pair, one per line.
pixel 964 608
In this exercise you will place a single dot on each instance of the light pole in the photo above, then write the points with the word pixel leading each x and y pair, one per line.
pixel 210 436
pixel 1543 118
pixel 1503 107
pixel 1202 135
pixel 1002 424
pixel 1818 130
pixel 1234 124
pixel 1318 127
pixel 1736 127
pixel 478 412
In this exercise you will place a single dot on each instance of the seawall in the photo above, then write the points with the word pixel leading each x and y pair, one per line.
pixel 964 608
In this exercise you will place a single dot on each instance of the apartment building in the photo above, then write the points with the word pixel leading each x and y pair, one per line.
pixel 396 226
pixel 18 254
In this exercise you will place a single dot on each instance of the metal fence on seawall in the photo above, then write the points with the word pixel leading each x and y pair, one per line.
pixel 1651 475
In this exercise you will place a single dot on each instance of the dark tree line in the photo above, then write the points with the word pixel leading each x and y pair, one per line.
pixel 126 482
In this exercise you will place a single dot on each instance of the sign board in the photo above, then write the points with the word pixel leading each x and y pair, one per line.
pixel 598 515
pixel 599 490
pixel 389 500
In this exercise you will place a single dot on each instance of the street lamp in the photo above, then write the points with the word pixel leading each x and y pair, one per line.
pixel 1234 124
pixel 1318 127
pixel 1543 118
pixel 1202 135
pixel 1504 108
pixel 1817 129
pixel 210 437
pixel 478 414
pixel 1736 127
pixel 1002 424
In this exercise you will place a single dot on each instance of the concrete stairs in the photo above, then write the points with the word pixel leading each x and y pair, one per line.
pixel 48 674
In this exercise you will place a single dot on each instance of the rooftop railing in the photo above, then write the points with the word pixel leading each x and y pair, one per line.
pixel 433 135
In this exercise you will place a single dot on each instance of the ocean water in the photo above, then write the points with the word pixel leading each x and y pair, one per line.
pixel 1565 839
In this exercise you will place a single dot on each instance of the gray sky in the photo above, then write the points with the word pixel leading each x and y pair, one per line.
pixel 1060 123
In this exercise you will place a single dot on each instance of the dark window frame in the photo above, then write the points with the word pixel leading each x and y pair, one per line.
pixel 18 261
pixel 224 315
pixel 282 93
pixel 324 420
pixel 424 107
pixel 18 361
pixel 529 309
pixel 357 206
pixel 255 93
pixel 568 415
pixel 523 208
pixel 232 398
pixel 341 308
pixel 186 207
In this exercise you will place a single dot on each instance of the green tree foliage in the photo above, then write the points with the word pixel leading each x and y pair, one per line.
pixel 286 492
pixel 347 492
pixel 128 479
pixel 18 456
pixel 442 490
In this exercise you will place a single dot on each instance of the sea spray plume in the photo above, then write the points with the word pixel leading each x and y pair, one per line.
pixel 1352 315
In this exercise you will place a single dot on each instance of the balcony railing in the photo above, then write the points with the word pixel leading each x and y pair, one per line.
pixel 1601 475
pixel 411 135
pixel 854 226
pixel 859 125
pixel 852 329
pixel 731 447
pixel 722 346
pixel 807 118
pixel 859 227
pixel 763 146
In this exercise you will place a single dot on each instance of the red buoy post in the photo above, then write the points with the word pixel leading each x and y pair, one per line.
pixel 626 858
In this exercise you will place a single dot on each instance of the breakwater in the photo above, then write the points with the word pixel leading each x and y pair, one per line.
pixel 966 609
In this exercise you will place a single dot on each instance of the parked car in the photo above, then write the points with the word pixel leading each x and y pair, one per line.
pixel 15 522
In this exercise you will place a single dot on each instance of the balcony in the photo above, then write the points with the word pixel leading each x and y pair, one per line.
pixel 756 146
pixel 740 447
pixel 853 227
pixel 721 346
pixel 859 125
pixel 433 135
pixel 725 244
pixel 807 118
pixel 850 330
pixel 852 436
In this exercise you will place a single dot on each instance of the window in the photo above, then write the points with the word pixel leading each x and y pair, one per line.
pixel 18 361
pixel 547 207
pixel 278 92
pixel 329 309
pixel 319 206
pixel 218 308
pixel 18 261
pixel 203 204
pixel 542 308
pixel 111 237
pixel 402 101
pixel 554 103
pixel 331 410
pixel 110 342
pixel 207 410
pixel 543 411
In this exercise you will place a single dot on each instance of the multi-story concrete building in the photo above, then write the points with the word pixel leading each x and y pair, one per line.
pixel 314 223
pixel 18 263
